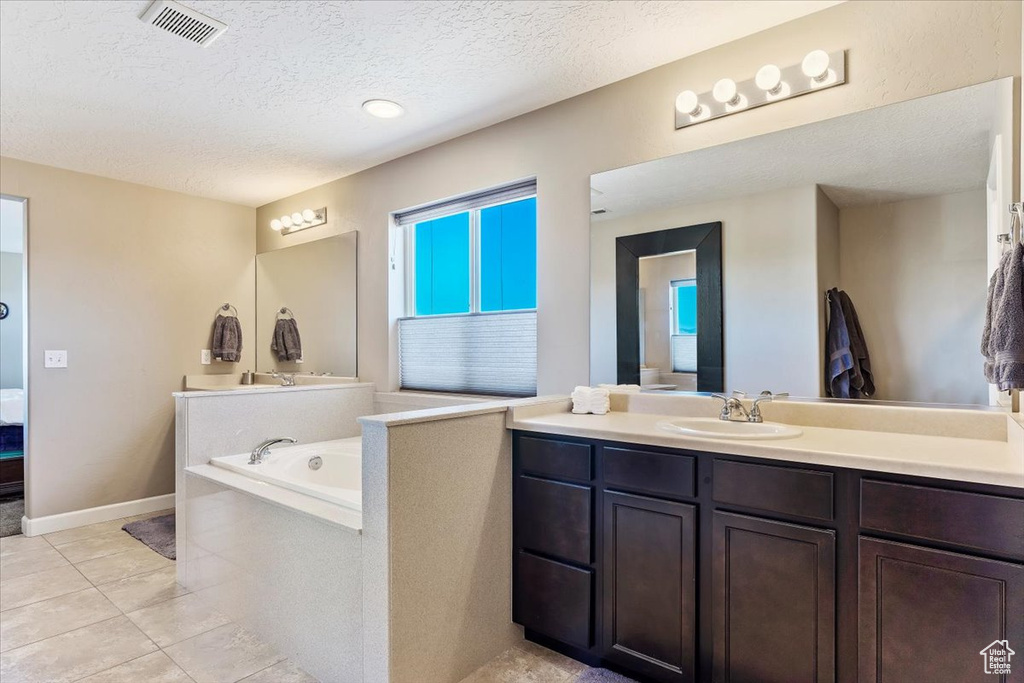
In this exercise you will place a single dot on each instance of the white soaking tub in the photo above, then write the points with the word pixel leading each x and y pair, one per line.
pixel 338 479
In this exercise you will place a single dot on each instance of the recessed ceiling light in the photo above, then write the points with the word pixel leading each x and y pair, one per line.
pixel 383 109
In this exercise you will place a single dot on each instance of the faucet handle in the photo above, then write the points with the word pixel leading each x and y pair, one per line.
pixel 755 410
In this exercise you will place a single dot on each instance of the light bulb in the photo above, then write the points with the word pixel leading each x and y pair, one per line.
pixel 725 92
pixel 769 79
pixel 383 109
pixel 276 225
pixel 815 65
pixel 309 215
pixel 297 218
pixel 688 103
pixel 286 221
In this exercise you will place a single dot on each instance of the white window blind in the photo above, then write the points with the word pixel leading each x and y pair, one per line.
pixel 684 353
pixel 489 353
pixel 507 193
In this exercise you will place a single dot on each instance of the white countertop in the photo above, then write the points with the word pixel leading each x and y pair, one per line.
pixel 980 461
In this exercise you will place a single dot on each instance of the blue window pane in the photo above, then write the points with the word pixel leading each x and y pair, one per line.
pixel 442 265
pixel 508 256
pixel 686 306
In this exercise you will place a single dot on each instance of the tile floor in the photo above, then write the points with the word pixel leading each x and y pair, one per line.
pixel 93 604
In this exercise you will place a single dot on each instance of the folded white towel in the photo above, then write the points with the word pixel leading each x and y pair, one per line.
pixel 590 400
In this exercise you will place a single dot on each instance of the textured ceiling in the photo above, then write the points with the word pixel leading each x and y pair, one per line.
pixel 928 146
pixel 273 106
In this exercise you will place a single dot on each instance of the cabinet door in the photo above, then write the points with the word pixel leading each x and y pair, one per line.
pixel 773 601
pixel 650 608
pixel 926 615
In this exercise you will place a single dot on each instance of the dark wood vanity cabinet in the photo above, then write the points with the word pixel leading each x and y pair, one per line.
pixel 672 565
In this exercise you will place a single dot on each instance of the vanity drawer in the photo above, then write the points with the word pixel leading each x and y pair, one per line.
pixel 558 459
pixel 554 518
pixel 554 599
pixel 972 520
pixel 786 490
pixel 658 474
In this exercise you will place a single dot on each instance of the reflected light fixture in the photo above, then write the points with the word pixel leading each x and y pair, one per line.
pixel 300 220
pixel 383 109
pixel 818 70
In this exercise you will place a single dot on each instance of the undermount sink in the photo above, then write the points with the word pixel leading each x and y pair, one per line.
pixel 714 428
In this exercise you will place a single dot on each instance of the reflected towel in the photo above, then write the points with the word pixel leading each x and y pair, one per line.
pixel 862 384
pixel 227 339
pixel 287 344
pixel 1002 341
pixel 839 358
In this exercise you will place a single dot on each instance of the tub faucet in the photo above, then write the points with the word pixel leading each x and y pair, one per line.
pixel 287 379
pixel 263 449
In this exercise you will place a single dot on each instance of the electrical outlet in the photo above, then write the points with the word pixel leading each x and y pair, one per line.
pixel 205 357
pixel 55 359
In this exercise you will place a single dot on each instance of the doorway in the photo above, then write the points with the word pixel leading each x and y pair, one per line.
pixel 13 361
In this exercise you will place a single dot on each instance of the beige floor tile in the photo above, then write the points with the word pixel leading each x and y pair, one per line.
pixel 29 562
pixel 517 666
pixel 97 546
pixel 566 664
pixel 49 618
pixel 175 620
pixel 84 532
pixel 147 515
pixel 122 565
pixel 143 590
pixel 76 654
pixel 19 544
pixel 155 667
pixel 283 672
pixel 41 586
pixel 223 655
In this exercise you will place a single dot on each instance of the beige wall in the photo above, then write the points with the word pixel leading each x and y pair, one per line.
pixel 916 272
pixel 126 278
pixel 769 280
pixel 656 276
pixel 828 268
pixel 11 327
pixel 317 282
pixel 896 51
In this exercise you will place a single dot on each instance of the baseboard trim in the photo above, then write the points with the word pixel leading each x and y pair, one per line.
pixel 104 513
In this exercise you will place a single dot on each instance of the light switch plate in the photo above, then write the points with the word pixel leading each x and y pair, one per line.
pixel 205 357
pixel 55 359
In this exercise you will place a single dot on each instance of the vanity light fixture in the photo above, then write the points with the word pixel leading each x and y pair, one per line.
pixel 817 71
pixel 300 220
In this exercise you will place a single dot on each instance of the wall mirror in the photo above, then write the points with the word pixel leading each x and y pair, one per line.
pixel 314 285
pixel 890 213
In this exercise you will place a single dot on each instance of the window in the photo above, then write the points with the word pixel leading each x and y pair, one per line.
pixel 683 299
pixel 472 295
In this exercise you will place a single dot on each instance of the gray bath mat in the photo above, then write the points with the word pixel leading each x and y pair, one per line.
pixel 602 676
pixel 11 512
pixel 156 532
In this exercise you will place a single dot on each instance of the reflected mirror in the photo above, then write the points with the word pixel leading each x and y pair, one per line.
pixel 306 308
pixel 855 256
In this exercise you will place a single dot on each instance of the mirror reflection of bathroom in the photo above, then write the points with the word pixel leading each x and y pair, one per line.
pixel 306 308
pixel 668 321
pixel 13 321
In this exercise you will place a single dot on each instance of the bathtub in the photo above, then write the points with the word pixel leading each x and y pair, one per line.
pixel 338 480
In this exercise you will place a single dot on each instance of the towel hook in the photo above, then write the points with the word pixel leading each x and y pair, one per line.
pixel 1014 236
pixel 228 307
pixel 285 311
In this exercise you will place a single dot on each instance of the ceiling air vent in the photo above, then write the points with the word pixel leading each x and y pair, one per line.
pixel 184 22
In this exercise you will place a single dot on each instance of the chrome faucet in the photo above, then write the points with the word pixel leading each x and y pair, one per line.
pixel 261 451
pixel 731 407
pixel 287 378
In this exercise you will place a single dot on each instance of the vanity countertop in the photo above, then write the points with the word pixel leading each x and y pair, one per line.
pixel 995 462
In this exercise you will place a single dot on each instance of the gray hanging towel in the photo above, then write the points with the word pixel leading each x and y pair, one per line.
pixel 287 344
pixel 227 339
pixel 839 359
pixel 862 384
pixel 1002 341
